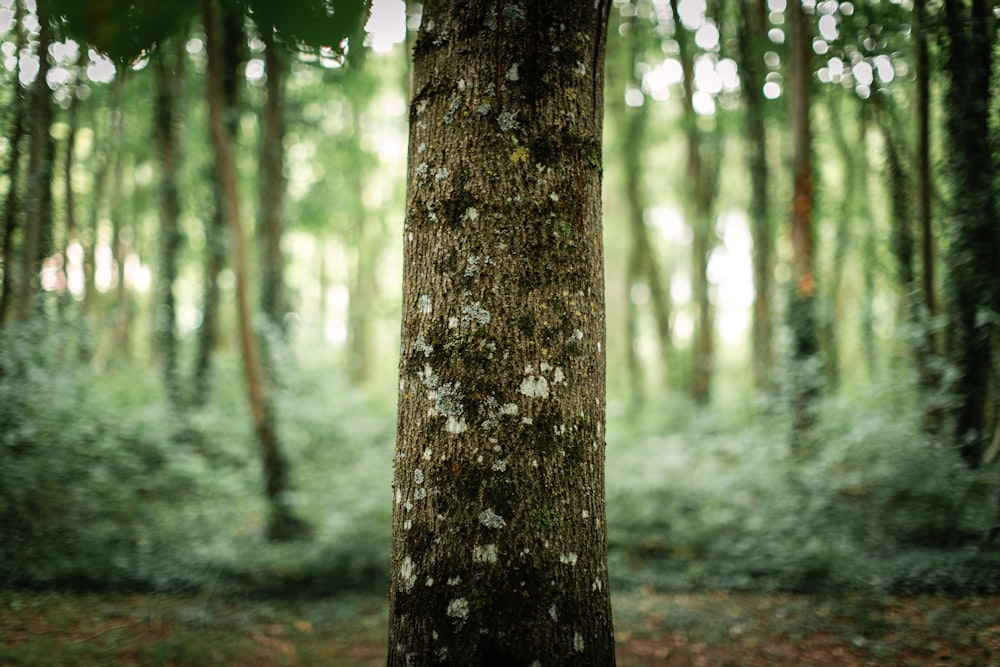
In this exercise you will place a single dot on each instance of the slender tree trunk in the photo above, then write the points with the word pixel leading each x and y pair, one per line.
pixel 925 185
pixel 805 364
pixel 634 121
pixel 101 161
pixel 753 34
pixel 37 227
pixel 499 538
pixel 701 184
pixel 904 247
pixel 167 96
pixel 643 254
pixel 208 332
pixel 363 294
pixel 362 265
pixel 216 247
pixel 69 162
pixel 852 173
pixel 272 191
pixel 636 369
pixel 324 285
pixel 930 370
pixel 973 279
pixel 118 310
pixel 902 239
pixel 282 524
pixel 12 203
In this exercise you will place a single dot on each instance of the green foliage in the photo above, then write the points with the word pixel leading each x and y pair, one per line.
pixel 87 464
pixel 879 506
pixel 311 24
pixel 124 29
pixel 97 490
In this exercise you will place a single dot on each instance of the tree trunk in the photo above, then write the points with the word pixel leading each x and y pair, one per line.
pixel 69 161
pixel 636 369
pixel 282 523
pixel 806 368
pixel 499 538
pixel 925 185
pixel 11 202
pixel 973 282
pixel 643 263
pixel 38 200
pixel 753 34
pixel 904 248
pixel 363 296
pixel 167 84
pixel 701 185
pixel 105 149
pixel 902 239
pixel 829 333
pixel 930 370
pixel 362 267
pixel 272 191
pixel 231 25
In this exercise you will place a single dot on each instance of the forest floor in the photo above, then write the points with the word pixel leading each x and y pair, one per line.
pixel 713 629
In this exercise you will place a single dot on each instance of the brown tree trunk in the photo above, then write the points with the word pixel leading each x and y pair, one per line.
pixel 643 259
pixel 282 523
pixel 973 279
pixel 106 148
pixel 167 84
pixel 12 203
pixel 642 267
pixel 753 35
pixel 828 333
pixel 925 185
pixel 362 267
pixel 38 200
pixel 231 26
pixel 701 184
pixel 69 161
pixel 272 192
pixel 805 365
pixel 499 538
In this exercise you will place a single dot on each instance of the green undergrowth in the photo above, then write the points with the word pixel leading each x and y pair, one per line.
pixel 105 486
pixel 720 501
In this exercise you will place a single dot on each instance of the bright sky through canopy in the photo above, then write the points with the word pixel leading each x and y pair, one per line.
pixel 387 24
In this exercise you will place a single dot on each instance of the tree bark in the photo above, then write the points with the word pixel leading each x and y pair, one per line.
pixel 806 368
pixel 69 161
pixel 216 247
pixel 282 523
pixel 973 273
pixel 272 193
pixel 701 184
pixel 363 265
pixel 105 150
pixel 38 199
pixel 499 538
pixel 12 203
pixel 925 185
pixel 904 244
pixel 828 333
pixel 643 266
pixel 167 84
pixel 753 34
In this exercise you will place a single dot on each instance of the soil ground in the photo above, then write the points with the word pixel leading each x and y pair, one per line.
pixel 652 629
